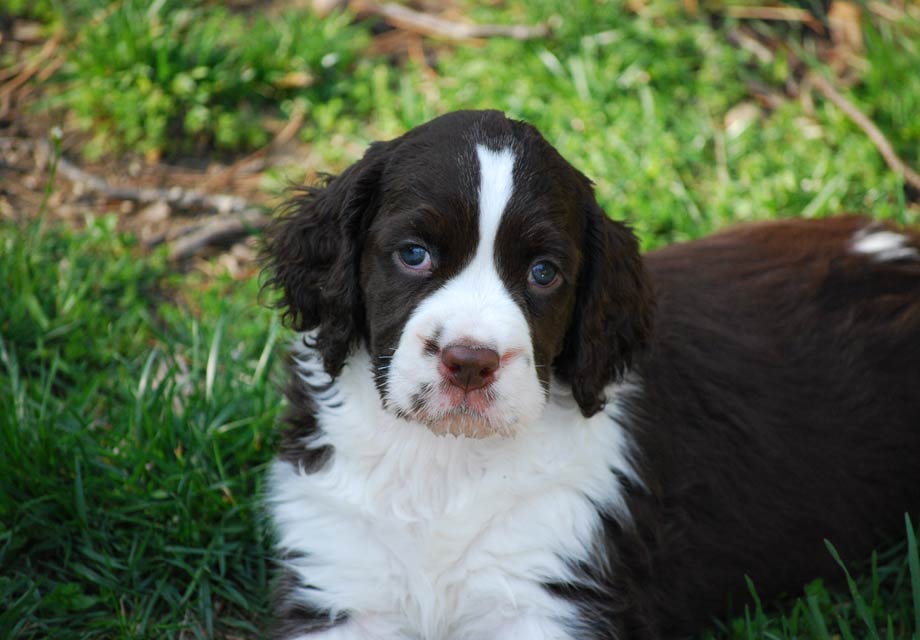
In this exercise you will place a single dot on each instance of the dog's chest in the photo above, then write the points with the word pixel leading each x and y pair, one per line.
pixel 445 537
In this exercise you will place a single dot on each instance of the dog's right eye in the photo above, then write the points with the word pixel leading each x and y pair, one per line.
pixel 414 257
pixel 543 274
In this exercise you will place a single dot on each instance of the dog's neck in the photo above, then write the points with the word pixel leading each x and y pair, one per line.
pixel 446 522
pixel 384 448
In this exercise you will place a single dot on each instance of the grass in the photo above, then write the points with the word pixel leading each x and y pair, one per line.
pixel 641 102
pixel 183 77
pixel 132 437
pixel 884 603
pixel 134 429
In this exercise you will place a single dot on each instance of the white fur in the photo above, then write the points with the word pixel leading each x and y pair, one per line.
pixel 415 535
pixel 473 308
pixel 884 246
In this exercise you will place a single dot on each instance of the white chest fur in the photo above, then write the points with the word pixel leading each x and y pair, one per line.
pixel 438 537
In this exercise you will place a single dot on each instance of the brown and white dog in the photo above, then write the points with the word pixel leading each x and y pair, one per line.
pixel 506 424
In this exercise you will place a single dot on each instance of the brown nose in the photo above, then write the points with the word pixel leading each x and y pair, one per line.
pixel 469 367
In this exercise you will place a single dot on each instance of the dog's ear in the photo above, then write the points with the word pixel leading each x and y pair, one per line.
pixel 612 320
pixel 311 254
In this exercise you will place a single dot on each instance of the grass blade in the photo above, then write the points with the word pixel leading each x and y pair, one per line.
pixel 913 561
pixel 862 608
pixel 211 367
pixel 819 627
pixel 266 350
pixel 142 385
pixel 844 626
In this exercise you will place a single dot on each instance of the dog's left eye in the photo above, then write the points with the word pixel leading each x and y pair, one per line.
pixel 414 257
pixel 543 274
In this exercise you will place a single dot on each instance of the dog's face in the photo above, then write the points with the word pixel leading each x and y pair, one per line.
pixel 473 262
pixel 469 283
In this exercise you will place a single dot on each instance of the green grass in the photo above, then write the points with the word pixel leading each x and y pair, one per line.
pixel 134 430
pixel 182 77
pixel 884 603
pixel 638 101
pixel 132 438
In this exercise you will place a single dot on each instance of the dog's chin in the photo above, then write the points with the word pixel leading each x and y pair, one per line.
pixel 458 423
pixel 462 421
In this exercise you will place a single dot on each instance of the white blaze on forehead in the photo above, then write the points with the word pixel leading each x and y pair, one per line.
pixel 496 182
pixel 475 304
pixel 476 307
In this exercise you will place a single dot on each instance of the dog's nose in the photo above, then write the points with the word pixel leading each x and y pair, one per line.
pixel 469 368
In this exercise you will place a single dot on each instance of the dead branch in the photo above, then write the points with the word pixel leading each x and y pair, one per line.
pixel 886 11
pixel 779 14
pixel 175 197
pixel 219 230
pixel 430 25
pixel 875 134
pixel 30 68
pixel 236 217
pixel 783 14
pixel 827 89
pixel 744 40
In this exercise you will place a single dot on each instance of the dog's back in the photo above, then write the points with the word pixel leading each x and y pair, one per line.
pixel 781 400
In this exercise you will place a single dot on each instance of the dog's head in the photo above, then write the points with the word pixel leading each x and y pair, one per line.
pixel 473 263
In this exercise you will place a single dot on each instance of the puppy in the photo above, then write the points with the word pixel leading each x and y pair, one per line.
pixel 505 423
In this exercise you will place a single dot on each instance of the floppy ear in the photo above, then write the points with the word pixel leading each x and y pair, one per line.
pixel 612 321
pixel 312 251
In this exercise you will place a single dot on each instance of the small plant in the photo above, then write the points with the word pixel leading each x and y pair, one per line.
pixel 172 77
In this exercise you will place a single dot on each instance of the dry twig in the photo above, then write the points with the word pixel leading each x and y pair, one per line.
pixel 827 89
pixel 30 68
pixel 219 230
pixel 175 197
pixel 780 14
pixel 236 217
pixel 875 134
pixel 886 11
pixel 430 25
pixel 41 70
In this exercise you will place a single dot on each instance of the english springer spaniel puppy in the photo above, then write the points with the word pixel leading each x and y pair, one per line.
pixel 506 424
